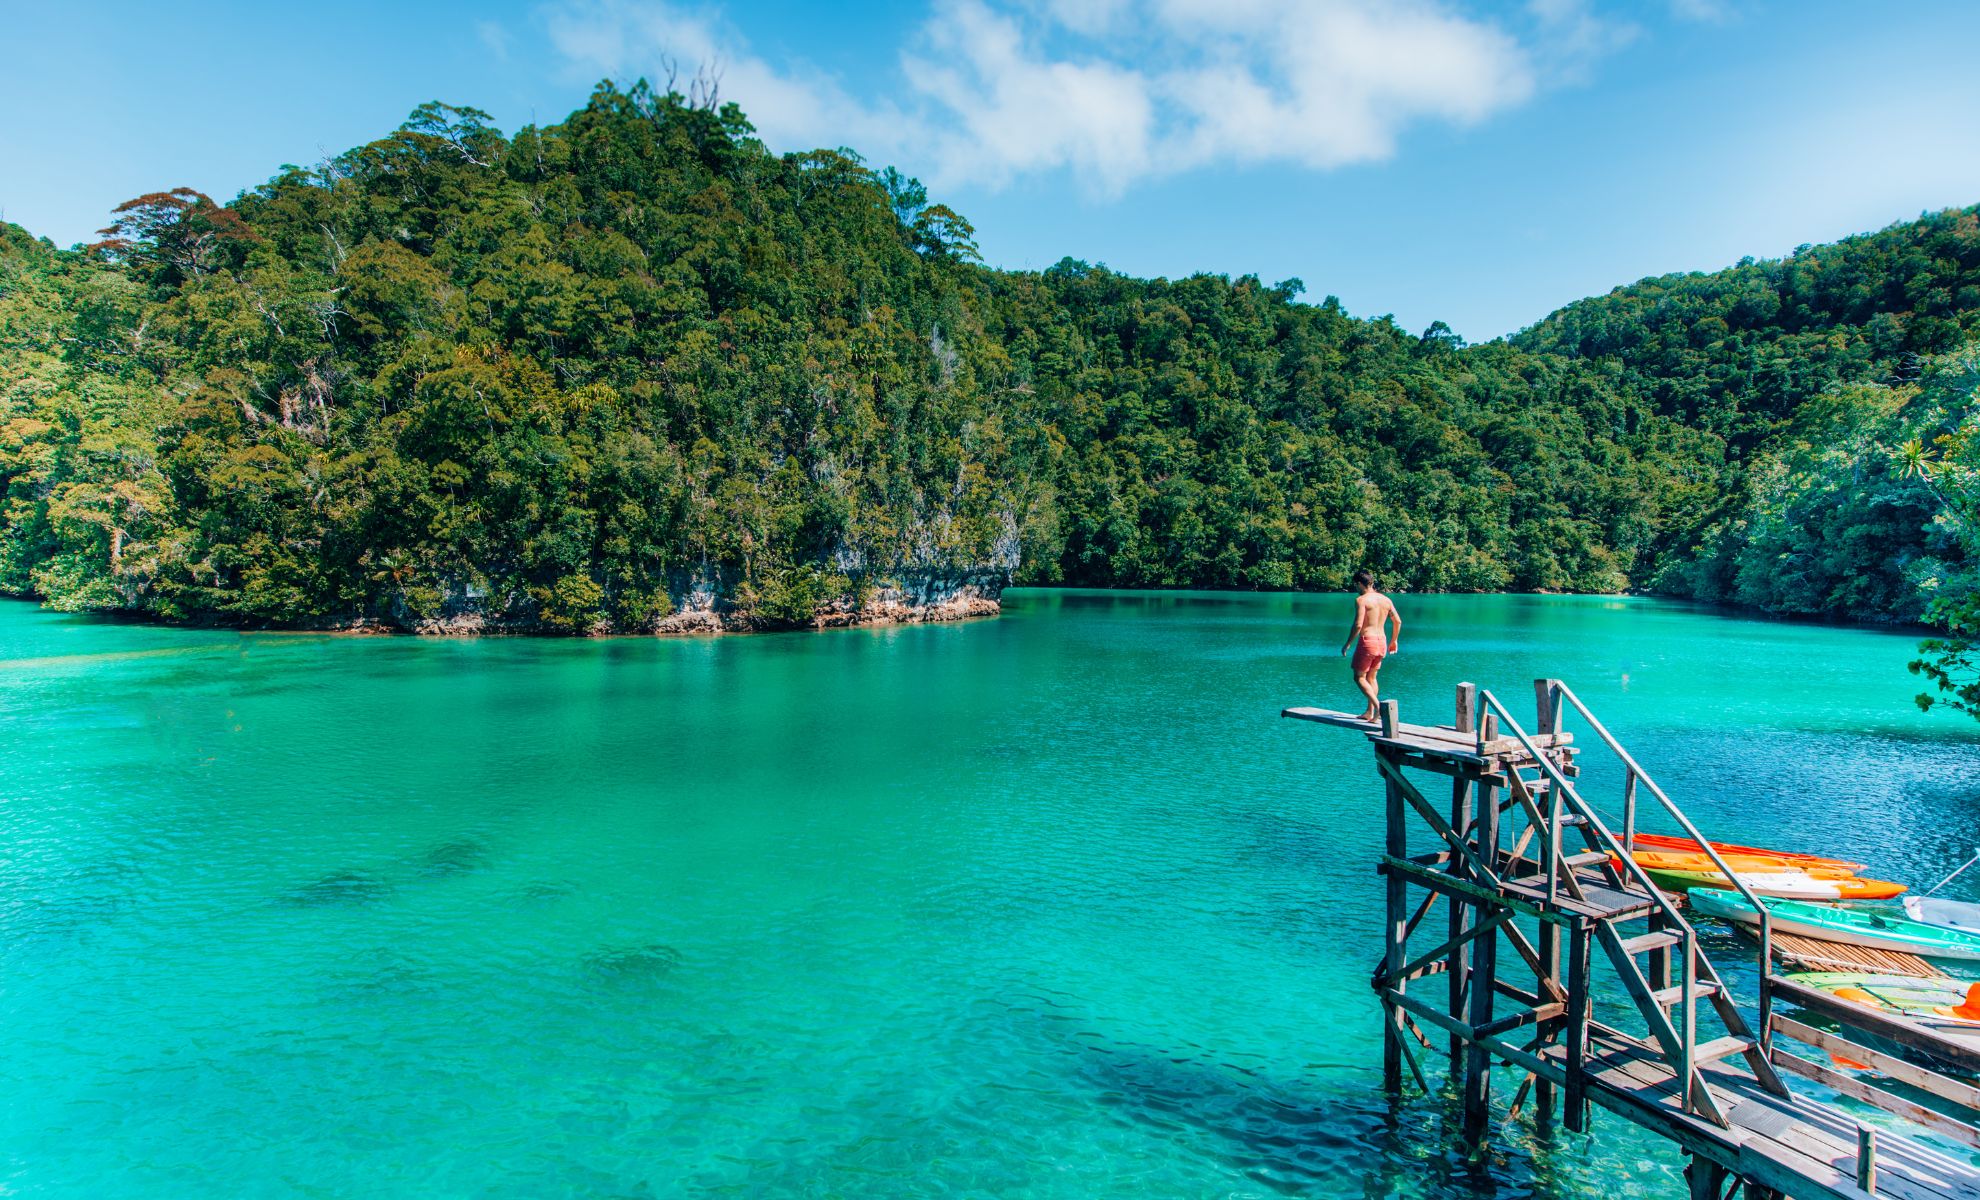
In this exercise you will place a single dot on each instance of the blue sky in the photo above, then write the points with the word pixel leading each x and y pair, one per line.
pixel 1476 163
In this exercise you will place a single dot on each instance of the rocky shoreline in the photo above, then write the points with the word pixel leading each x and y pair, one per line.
pixel 702 607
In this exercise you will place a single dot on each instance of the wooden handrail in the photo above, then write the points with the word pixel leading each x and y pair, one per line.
pixel 1689 937
pixel 1909 1034
pixel 1636 774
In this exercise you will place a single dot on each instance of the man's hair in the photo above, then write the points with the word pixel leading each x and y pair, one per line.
pixel 1364 579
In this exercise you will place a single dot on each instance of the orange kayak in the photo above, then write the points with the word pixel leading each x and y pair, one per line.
pixel 1698 861
pixel 1657 841
pixel 1786 885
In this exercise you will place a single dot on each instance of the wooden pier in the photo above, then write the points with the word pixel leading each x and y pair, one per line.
pixel 1561 959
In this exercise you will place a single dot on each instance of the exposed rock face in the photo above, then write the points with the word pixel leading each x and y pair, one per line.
pixel 705 606
pixel 912 598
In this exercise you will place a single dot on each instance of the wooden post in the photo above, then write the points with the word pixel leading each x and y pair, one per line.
pixel 1577 1026
pixel 1866 1158
pixel 1549 948
pixel 1397 933
pixel 1484 969
pixel 1467 708
pixel 1629 809
pixel 1707 1178
pixel 1458 965
pixel 1391 718
pixel 1547 706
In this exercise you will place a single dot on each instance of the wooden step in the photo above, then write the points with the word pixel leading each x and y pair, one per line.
pixel 1665 997
pixel 1586 858
pixel 1655 940
pixel 1722 1047
pixel 1598 901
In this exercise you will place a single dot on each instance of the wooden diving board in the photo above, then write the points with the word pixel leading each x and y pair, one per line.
pixel 1438 741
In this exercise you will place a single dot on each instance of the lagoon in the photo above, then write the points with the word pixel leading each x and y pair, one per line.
pixel 1049 905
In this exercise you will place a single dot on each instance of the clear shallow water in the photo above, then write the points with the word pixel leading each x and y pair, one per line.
pixel 1052 905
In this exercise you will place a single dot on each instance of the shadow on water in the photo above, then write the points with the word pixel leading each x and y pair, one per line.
pixel 380 978
pixel 62 907
pixel 454 858
pixel 1309 1131
pixel 632 967
pixel 339 889
pixel 541 892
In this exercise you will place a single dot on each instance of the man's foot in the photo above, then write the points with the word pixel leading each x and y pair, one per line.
pixel 1371 715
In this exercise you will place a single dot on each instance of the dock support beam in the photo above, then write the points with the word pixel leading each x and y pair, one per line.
pixel 1459 964
pixel 1396 934
pixel 1484 976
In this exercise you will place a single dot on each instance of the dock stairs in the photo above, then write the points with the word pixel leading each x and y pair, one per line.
pixel 1523 862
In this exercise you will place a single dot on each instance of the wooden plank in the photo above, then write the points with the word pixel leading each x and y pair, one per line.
pixel 1924 1080
pixel 1526 1016
pixel 1460 914
pixel 1598 900
pixel 1905 1033
pixel 1839 956
pixel 1487 1044
pixel 1577 1026
pixel 1798 1135
pixel 1484 967
pixel 1430 877
pixel 1404 789
pixel 1329 716
pixel 1913 1173
pixel 1828 1131
pixel 1890 1102
pixel 1484 928
pixel 1396 935
pixel 1461 736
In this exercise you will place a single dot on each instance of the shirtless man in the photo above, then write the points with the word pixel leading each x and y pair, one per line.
pixel 1372 610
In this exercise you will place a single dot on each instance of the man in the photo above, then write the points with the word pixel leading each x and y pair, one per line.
pixel 1372 610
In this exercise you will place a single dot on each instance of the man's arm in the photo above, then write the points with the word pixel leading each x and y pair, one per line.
pixel 1396 635
pixel 1354 630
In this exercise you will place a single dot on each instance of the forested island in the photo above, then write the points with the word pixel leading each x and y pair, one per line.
pixel 634 372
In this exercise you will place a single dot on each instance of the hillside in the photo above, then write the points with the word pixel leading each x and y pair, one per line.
pixel 632 371
pixel 1816 369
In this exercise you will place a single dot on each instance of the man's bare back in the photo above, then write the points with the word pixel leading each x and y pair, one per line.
pixel 1371 640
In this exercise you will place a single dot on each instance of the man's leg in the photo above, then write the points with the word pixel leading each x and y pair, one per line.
pixel 1365 680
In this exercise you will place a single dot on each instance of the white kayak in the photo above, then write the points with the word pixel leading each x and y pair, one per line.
pixel 1781 885
pixel 1947 914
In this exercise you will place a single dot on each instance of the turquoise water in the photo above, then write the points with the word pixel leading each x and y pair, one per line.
pixel 1051 905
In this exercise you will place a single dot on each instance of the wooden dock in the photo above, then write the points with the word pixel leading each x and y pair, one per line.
pixel 1541 900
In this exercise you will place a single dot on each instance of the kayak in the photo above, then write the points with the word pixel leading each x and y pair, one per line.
pixel 1951 914
pixel 1953 999
pixel 1784 885
pixel 1947 1007
pixel 1698 860
pixel 1657 841
pixel 1851 926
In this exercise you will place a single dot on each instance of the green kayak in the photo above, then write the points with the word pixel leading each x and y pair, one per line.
pixel 1851 926
pixel 1906 994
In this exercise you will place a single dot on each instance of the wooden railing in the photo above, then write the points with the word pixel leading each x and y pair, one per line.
pixel 1894 1033
pixel 1563 789
pixel 1634 773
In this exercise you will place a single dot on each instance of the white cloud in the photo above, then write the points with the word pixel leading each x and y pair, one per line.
pixel 494 38
pixel 791 109
pixel 1572 36
pixel 1711 12
pixel 1118 91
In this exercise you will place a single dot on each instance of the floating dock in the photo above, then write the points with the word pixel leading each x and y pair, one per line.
pixel 1562 960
